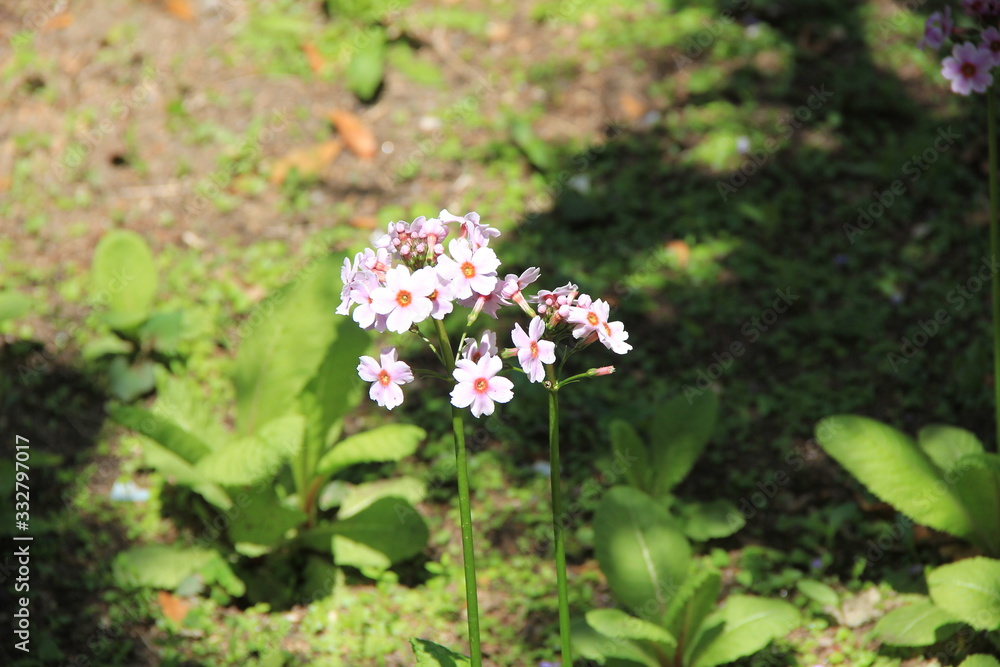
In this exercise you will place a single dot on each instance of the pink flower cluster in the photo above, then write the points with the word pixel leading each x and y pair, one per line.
pixel 969 66
pixel 410 277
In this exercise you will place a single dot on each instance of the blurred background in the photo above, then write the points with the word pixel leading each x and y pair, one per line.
pixel 777 197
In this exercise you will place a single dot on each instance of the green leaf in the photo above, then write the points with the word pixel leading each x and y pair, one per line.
pixel 387 531
pixel 680 432
pixel 892 467
pixel 980 660
pixel 255 458
pixel 392 442
pixel 430 654
pixel 976 478
pixel 286 339
pixel 360 496
pixel 711 520
pixel 919 624
pixel 590 644
pixel 333 391
pixel 748 625
pixel 161 429
pixel 969 589
pixel 128 383
pixel 263 519
pixel 616 624
pixel 691 606
pixel 158 565
pixel 644 557
pixel 946 444
pixel 629 448
pixel 13 305
pixel 123 278
pixel 179 471
pixel 819 592
pixel 163 331
pixel 366 70
pixel 105 345
pixel 537 151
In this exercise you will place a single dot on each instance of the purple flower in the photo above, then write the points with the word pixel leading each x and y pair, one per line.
pixel 968 68
pixel 937 29
pixel 991 42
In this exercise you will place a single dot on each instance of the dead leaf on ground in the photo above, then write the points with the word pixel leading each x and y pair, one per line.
pixel 58 22
pixel 182 9
pixel 308 161
pixel 356 135
pixel 363 222
pixel 632 107
pixel 313 56
pixel 173 607
pixel 680 250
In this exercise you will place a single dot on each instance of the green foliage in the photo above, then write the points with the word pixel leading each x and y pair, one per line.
pixel 919 624
pixel 294 384
pixel 169 567
pixel 430 654
pixel 676 438
pixel 944 480
pixel 647 562
pixel 124 278
pixel 366 70
pixel 970 590
pixel 980 661
pixel 13 305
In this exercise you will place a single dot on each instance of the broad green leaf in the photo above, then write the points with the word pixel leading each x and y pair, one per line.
pixel 980 660
pixel 184 444
pixel 123 279
pixel 616 624
pixel 105 345
pixel 429 654
pixel 711 520
pixel 748 625
pixel 679 434
pixel 819 592
pixel 286 338
pixel 629 449
pixel 366 70
pixel 919 624
pixel 590 644
pixel 644 557
pixel 255 458
pixel 163 331
pixel 262 519
pixel 969 589
pixel 179 471
pixel 360 496
pixel 391 442
pixel 389 530
pixel 892 467
pixel 158 565
pixel 333 391
pixel 691 606
pixel 13 305
pixel 127 382
pixel 217 571
pixel 946 444
pixel 181 400
pixel 538 152
pixel 976 479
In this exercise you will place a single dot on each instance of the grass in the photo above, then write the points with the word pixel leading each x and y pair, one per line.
pixel 632 207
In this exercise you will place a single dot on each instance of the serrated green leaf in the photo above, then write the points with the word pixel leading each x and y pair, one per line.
pixel 891 466
pixel 286 338
pixel 617 625
pixel 388 531
pixel 748 624
pixel 162 331
pixel 366 70
pixel 590 644
pixel 13 305
pixel 429 654
pixel 643 555
pixel 980 660
pixel 123 278
pixel 818 591
pixel 680 432
pixel 179 471
pixel 184 444
pixel 629 448
pixel 255 458
pixel 969 589
pixel 127 382
pixel 360 496
pixel 392 442
pixel 711 520
pixel 158 565
pixel 919 624
pixel 976 479
pixel 691 606
pixel 946 444
pixel 263 519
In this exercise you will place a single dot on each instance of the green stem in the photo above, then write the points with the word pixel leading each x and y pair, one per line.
pixel 464 509
pixel 557 513
pixel 994 254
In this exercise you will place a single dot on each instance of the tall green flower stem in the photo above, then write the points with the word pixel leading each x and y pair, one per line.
pixel 464 509
pixel 994 251
pixel 557 513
